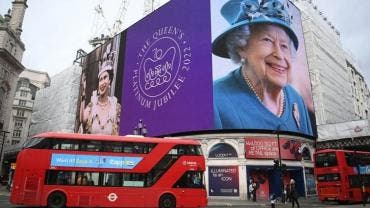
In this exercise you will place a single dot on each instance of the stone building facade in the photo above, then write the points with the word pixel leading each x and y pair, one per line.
pixel 11 53
pixel 329 74
pixel 359 90
pixel 29 82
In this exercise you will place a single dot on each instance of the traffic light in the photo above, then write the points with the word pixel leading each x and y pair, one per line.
pixel 283 167
pixel 276 164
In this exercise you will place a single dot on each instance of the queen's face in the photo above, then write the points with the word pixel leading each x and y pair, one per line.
pixel 268 54
pixel 104 83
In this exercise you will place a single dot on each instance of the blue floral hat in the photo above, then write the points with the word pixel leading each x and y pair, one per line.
pixel 247 12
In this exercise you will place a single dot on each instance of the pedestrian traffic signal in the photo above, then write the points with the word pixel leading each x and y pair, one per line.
pixel 276 164
pixel 283 167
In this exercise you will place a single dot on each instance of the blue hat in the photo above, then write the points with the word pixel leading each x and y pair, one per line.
pixel 247 12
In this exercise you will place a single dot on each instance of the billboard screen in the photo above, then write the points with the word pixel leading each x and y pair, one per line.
pixel 167 71
pixel 268 148
pixel 203 65
pixel 223 181
pixel 99 104
pixel 260 71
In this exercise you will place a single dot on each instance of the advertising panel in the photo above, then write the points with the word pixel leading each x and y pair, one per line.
pixel 201 65
pixel 260 70
pixel 223 181
pixel 94 161
pixel 267 148
pixel 98 106
pixel 167 71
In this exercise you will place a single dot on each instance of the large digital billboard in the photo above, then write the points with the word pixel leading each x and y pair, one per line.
pixel 201 65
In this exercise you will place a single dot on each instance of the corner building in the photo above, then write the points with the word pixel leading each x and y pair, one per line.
pixel 232 158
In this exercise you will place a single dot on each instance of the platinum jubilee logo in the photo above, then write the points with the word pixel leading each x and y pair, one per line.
pixel 163 62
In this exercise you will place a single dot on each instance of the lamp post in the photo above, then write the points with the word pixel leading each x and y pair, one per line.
pixel 140 128
pixel 1 150
pixel 278 165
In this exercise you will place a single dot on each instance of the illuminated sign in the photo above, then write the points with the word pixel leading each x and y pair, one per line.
pixel 223 181
pixel 167 71
pixel 94 161
pixel 267 148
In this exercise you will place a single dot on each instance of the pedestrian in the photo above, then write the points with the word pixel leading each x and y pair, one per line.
pixel 253 190
pixel 284 195
pixel 287 195
pixel 249 194
pixel 273 200
pixel 293 193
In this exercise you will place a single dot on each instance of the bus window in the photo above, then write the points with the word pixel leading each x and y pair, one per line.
pixel 111 179
pixel 87 179
pixel 326 159
pixel 90 146
pixel 54 177
pixel 133 179
pixel 64 145
pixel 328 177
pixel 112 147
pixel 190 179
pixel 30 143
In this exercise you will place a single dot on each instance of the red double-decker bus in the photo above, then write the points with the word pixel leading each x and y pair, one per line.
pixel 342 175
pixel 84 170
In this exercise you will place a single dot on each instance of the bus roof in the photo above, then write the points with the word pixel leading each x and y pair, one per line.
pixel 101 137
pixel 338 150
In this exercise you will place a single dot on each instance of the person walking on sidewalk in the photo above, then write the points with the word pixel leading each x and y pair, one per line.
pixel 253 190
pixel 293 193
pixel 287 195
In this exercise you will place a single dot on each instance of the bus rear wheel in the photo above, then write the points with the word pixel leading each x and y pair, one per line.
pixel 57 200
pixel 167 201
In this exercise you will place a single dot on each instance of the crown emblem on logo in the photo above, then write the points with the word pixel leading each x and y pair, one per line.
pixel 158 69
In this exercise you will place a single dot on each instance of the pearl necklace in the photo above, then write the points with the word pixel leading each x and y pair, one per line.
pixel 282 98
pixel 103 104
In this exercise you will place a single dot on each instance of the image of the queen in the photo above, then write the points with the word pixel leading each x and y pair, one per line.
pixel 102 114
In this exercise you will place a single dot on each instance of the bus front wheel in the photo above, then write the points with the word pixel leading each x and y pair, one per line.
pixel 57 200
pixel 167 201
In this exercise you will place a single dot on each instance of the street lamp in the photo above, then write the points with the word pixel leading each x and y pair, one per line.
pixel 278 165
pixel 140 128
pixel 1 150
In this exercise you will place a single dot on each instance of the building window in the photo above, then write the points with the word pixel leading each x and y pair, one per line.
pixel 20 113
pixel 6 75
pixel 17 133
pixel 24 93
pixel 22 102
pixel 24 83
pixel 14 142
pixel 18 123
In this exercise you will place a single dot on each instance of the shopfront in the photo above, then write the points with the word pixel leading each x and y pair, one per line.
pixel 233 159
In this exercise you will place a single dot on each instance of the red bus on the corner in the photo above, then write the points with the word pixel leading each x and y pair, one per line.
pixel 84 170
pixel 342 175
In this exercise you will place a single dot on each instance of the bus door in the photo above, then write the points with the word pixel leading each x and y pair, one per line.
pixel 32 188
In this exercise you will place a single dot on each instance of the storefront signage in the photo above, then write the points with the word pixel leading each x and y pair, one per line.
pixel 223 181
pixel 267 148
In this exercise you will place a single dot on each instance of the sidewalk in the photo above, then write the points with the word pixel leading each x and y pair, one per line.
pixel 305 202
pixel 4 191
pixel 231 203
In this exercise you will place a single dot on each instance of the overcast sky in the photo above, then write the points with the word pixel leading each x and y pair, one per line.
pixel 352 19
pixel 54 30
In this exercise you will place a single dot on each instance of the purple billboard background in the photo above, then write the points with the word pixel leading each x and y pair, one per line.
pixel 223 181
pixel 167 74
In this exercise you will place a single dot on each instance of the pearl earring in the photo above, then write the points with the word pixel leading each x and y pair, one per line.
pixel 242 61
